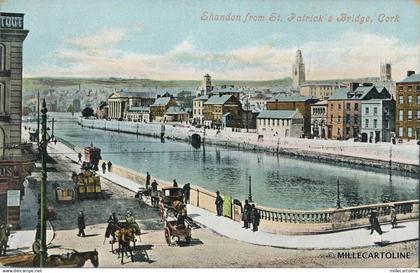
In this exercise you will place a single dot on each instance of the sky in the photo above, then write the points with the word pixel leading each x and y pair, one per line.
pixel 170 40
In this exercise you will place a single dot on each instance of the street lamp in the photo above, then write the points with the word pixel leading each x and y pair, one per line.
pixel 249 190
pixel 338 194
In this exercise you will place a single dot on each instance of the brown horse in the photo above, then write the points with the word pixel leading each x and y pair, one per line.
pixel 72 259
pixel 124 237
pixel 4 238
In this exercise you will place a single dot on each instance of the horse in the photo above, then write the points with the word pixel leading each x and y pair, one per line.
pixel 112 229
pixel 124 237
pixel 4 238
pixel 72 259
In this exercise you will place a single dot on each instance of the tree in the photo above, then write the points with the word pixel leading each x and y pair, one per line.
pixel 88 112
pixel 70 108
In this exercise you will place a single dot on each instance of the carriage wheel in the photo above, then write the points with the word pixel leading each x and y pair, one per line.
pixel 188 239
pixel 167 236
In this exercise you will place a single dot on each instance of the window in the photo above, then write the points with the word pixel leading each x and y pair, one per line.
pixel 347 118
pixel 418 98
pixel 410 99
pixel 401 132
pixel 410 115
pixel 367 110
pixel 401 114
pixel 375 111
pixel 409 88
pixel 401 88
pixel 2 57
pixel 332 118
pixel 338 119
pixel 339 106
pixel 386 124
pixel 418 88
pixel 348 106
pixel 356 106
pixel 401 99
pixel 418 114
pixel 366 123
pixel 356 120
pixel 375 123
pixel 409 132
pixel 2 98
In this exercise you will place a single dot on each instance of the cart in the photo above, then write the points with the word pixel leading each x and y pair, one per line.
pixel 176 230
pixel 64 195
pixel 87 185
pixel 143 195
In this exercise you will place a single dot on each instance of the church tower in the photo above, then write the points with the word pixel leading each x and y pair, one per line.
pixel 207 84
pixel 386 72
pixel 298 71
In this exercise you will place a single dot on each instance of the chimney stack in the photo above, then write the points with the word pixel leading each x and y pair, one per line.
pixel 353 86
pixel 410 72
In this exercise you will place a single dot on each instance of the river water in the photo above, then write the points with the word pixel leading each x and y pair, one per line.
pixel 277 181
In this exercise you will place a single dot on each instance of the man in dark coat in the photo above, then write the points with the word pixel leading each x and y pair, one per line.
pixel 186 192
pixel 80 158
pixel 247 214
pixel 81 224
pixel 175 184
pixel 374 223
pixel 219 204
pixel 255 218
pixel 154 194
pixel 103 167
pixel 147 180
pixel 109 166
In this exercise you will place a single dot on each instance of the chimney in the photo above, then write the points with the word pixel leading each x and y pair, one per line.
pixel 367 84
pixel 410 72
pixel 353 86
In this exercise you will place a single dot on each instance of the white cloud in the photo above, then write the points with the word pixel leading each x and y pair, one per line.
pixel 352 54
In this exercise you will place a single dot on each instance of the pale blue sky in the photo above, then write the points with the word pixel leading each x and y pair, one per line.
pixel 167 39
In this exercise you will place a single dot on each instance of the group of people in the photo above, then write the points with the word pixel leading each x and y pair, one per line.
pixel 104 165
pixel 250 214
pixel 154 190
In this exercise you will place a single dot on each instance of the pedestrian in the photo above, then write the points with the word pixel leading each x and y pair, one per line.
pixel 393 217
pixel 103 167
pixel 109 166
pixel 55 141
pixel 80 158
pixel 81 224
pixel 247 213
pixel 186 192
pixel 175 184
pixel 219 204
pixel 255 218
pixel 147 180
pixel 154 194
pixel 374 223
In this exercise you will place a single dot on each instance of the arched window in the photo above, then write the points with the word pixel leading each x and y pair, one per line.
pixel 2 57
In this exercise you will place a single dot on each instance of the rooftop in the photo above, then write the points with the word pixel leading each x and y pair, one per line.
pixel 176 110
pixel 283 98
pixel 135 94
pixel 218 99
pixel 203 98
pixel 162 101
pixel 278 114
pixel 139 109
pixel 411 79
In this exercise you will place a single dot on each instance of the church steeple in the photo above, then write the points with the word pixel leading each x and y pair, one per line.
pixel 298 71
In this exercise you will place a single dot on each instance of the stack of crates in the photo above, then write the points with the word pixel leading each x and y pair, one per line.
pixel 87 184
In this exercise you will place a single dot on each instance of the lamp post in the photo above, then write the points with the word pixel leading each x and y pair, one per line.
pixel 338 194
pixel 249 190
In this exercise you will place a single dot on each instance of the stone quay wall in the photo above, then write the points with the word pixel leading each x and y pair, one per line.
pixel 384 156
pixel 283 221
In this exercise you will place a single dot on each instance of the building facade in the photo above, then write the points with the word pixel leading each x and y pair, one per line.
pixel 280 123
pixel 120 102
pixel 138 114
pixel 319 128
pixel 319 90
pixel 344 110
pixel 198 108
pixel 159 107
pixel 408 107
pixel 14 166
pixel 291 103
pixel 177 114
pixel 378 120
pixel 217 106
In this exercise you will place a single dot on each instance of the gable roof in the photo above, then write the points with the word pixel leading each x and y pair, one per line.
pixel 162 101
pixel 277 114
pixel 202 98
pixel 176 110
pixel 218 99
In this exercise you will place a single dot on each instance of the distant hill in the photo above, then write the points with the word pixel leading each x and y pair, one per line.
pixel 35 84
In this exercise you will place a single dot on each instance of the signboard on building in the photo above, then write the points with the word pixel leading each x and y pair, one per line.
pixel 13 198
pixel 11 20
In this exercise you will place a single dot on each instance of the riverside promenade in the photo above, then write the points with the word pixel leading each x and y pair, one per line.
pixel 404 156
pixel 354 238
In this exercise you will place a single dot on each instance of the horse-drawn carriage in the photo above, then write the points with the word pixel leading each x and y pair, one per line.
pixel 176 228
pixel 170 195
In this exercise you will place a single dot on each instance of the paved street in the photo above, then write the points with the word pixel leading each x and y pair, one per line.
pixel 208 248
